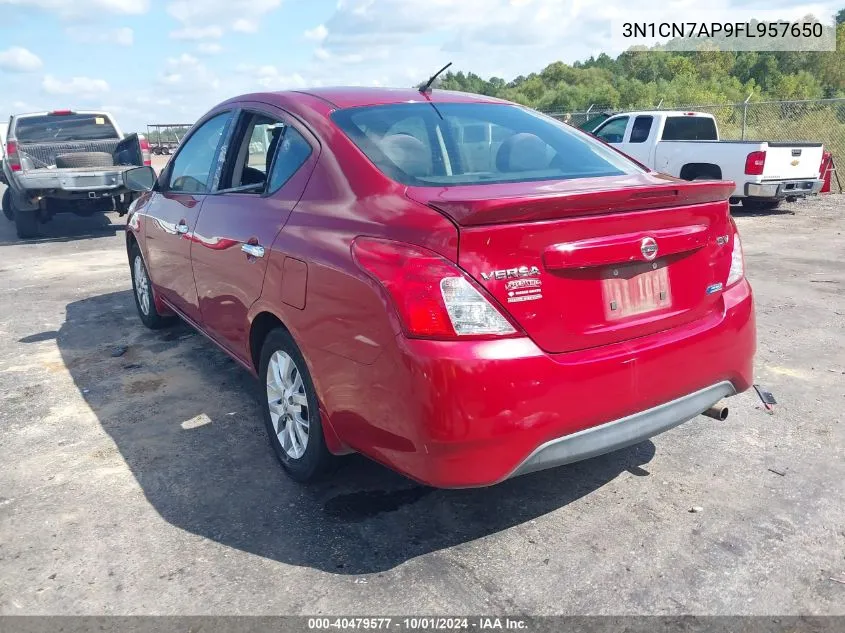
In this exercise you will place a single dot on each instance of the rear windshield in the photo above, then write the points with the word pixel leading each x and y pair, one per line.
pixel 441 144
pixel 55 128
pixel 689 128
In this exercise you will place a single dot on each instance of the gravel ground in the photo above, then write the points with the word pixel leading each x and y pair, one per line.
pixel 137 478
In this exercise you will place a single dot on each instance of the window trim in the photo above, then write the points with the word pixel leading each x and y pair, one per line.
pixel 164 176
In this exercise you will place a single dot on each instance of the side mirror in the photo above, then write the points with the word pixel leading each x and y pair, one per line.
pixel 139 179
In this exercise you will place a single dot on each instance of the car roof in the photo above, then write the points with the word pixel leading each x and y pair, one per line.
pixel 662 112
pixel 350 97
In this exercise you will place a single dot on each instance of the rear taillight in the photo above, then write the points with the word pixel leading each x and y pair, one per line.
pixel 737 271
pixel 754 163
pixel 433 297
pixel 12 156
pixel 145 151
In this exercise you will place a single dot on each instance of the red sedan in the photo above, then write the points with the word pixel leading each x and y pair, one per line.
pixel 455 286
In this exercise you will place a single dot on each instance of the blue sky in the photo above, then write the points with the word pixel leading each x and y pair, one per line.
pixel 171 60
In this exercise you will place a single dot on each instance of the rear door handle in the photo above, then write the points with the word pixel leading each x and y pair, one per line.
pixel 182 228
pixel 254 250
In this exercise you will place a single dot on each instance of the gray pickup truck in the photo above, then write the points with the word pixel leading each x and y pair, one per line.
pixel 65 162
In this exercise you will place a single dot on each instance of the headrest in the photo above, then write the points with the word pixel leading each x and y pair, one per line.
pixel 522 152
pixel 408 153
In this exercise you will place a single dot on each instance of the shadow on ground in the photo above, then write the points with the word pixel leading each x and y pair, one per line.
pixel 65 227
pixel 185 419
pixel 741 212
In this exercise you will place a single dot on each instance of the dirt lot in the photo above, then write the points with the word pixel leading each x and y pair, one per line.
pixel 137 479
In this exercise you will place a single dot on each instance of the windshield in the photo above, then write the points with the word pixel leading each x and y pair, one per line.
pixel 471 143
pixel 56 128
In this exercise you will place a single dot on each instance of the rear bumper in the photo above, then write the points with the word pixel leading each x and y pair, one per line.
pixel 76 182
pixel 474 413
pixel 783 188
pixel 626 431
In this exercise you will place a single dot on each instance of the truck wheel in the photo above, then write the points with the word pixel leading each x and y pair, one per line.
pixel 143 292
pixel 751 204
pixel 85 159
pixel 26 223
pixel 7 206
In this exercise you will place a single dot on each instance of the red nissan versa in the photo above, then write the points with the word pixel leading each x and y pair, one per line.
pixel 455 286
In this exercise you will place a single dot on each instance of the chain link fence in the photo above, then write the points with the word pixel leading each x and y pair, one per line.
pixel 820 120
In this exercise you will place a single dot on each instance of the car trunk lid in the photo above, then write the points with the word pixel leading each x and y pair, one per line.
pixel 580 264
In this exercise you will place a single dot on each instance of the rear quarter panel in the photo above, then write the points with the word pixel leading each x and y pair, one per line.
pixel 672 156
pixel 346 321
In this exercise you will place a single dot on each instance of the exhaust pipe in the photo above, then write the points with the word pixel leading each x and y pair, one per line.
pixel 717 412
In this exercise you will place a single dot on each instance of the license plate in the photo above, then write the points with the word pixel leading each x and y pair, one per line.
pixel 635 289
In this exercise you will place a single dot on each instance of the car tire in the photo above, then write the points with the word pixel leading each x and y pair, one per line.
pixel 26 222
pixel 750 204
pixel 142 290
pixel 7 206
pixel 84 159
pixel 291 409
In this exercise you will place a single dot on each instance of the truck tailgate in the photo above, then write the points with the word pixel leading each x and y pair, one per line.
pixel 792 161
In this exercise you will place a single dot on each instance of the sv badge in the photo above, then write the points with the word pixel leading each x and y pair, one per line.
pixel 512 273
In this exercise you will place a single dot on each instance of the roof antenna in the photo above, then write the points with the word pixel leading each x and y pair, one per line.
pixel 426 87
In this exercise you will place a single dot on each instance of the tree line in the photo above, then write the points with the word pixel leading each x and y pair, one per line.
pixel 645 77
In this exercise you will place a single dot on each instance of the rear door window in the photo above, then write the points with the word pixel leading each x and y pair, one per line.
pixel 265 152
pixel 425 144
pixel 64 128
pixel 641 129
pixel 690 128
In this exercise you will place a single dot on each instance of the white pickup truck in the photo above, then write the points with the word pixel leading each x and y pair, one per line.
pixel 687 145
pixel 66 161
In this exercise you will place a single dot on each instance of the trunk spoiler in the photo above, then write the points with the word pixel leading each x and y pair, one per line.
pixel 537 201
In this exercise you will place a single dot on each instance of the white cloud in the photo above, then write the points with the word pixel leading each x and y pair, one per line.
pixel 197 13
pixel 403 43
pixel 123 36
pixel 209 48
pixel 19 60
pixel 317 34
pixel 84 8
pixel 244 25
pixel 270 78
pixel 211 32
pixel 187 74
pixel 77 86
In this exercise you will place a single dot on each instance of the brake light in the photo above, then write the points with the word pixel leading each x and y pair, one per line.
pixel 754 163
pixel 145 151
pixel 737 271
pixel 61 112
pixel 12 156
pixel 433 297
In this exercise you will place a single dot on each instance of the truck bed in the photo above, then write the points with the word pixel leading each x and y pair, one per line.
pixel 43 155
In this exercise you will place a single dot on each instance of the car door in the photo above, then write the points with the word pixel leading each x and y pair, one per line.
pixel 172 213
pixel 636 144
pixel 265 170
